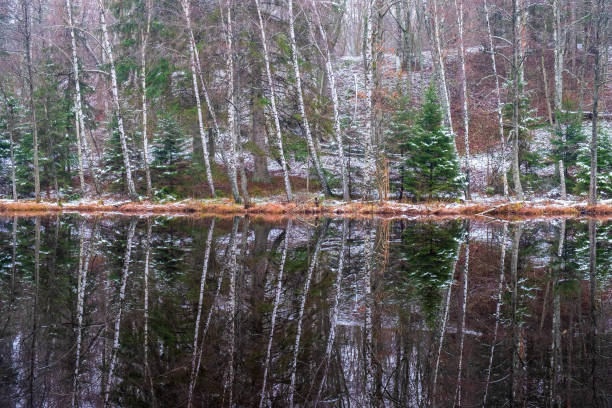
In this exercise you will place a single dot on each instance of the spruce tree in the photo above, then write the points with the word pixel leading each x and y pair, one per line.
pixel 168 146
pixel 604 166
pixel 431 164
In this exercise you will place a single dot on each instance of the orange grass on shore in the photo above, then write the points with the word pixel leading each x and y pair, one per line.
pixel 352 209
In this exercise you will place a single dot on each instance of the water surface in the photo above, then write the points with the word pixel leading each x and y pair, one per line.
pixel 160 311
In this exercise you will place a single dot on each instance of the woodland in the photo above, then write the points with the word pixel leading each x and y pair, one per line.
pixel 296 100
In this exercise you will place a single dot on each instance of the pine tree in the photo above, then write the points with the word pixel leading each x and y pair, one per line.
pixel 431 164
pixel 604 166
pixel 399 131
pixel 566 144
pixel 168 146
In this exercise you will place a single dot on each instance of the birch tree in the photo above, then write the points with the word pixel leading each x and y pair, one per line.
pixel 500 119
pixel 559 43
pixel 27 39
pixel 517 63
pixel 196 91
pixel 231 139
pixel 331 78
pixel 77 98
pixel 144 38
pixel 314 156
pixel 369 165
pixel 117 105
pixel 279 138
pixel 466 115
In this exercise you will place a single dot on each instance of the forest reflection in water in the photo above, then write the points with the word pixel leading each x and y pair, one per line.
pixel 198 312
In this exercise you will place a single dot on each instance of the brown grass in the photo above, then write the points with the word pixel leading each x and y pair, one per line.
pixel 305 207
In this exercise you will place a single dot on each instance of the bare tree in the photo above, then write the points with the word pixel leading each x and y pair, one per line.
pixel 144 38
pixel 517 78
pixel 279 138
pixel 466 114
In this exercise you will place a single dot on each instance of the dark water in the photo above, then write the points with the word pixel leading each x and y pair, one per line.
pixel 169 312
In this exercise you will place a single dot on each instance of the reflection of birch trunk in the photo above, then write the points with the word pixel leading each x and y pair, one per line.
pixel 500 287
pixel 555 347
pixel 279 285
pixel 443 327
pixel 84 258
pixel 232 266
pixel 115 348
pixel 194 372
pixel 147 373
pixel 13 256
pixel 333 319
pixel 298 335
pixel 516 327
pixel 32 375
pixel 368 349
pixel 593 309
pixel 464 278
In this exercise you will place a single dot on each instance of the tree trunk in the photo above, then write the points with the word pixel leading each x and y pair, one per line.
pixel 597 74
pixel 27 32
pixel 258 126
pixel 439 61
pixel 516 79
pixel 559 42
pixel 369 170
pixel 277 295
pixel 298 85
pixel 466 114
pixel 500 118
pixel 230 140
pixel 80 128
pixel 196 91
pixel 336 106
pixel 279 137
pixel 144 36
pixel 115 92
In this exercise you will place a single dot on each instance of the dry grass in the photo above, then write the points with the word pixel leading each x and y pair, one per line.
pixel 308 207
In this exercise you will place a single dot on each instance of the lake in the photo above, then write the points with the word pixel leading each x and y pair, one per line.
pixel 185 311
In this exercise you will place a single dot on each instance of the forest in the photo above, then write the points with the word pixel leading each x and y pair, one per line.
pixel 298 100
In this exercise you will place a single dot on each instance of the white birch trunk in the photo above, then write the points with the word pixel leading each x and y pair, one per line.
pixel 194 366
pixel 231 139
pixel 500 118
pixel 196 91
pixel 333 318
pixel 559 41
pixel 144 36
pixel 115 347
pixel 298 336
pixel 279 138
pixel 464 278
pixel 500 287
pixel 115 92
pixel 368 345
pixel 331 77
pixel 466 114
pixel 277 294
pixel 441 70
pixel 298 85
pixel 80 128
pixel 516 79
pixel 369 157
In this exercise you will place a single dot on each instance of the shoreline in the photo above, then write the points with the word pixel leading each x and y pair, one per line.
pixel 354 209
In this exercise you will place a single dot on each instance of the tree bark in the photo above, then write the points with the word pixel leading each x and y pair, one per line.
pixel 559 43
pixel 80 128
pixel 196 91
pixel 144 36
pixel 279 137
pixel 115 92
pixel 500 118
pixel 27 33
pixel 466 114
pixel 298 85
pixel 336 107
pixel 516 79
pixel 369 170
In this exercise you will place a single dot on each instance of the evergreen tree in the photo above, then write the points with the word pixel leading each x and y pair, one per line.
pixel 114 169
pixel 398 133
pixel 168 146
pixel 604 166
pixel 571 130
pixel 431 164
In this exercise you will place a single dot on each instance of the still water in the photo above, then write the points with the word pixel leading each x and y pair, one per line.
pixel 178 312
